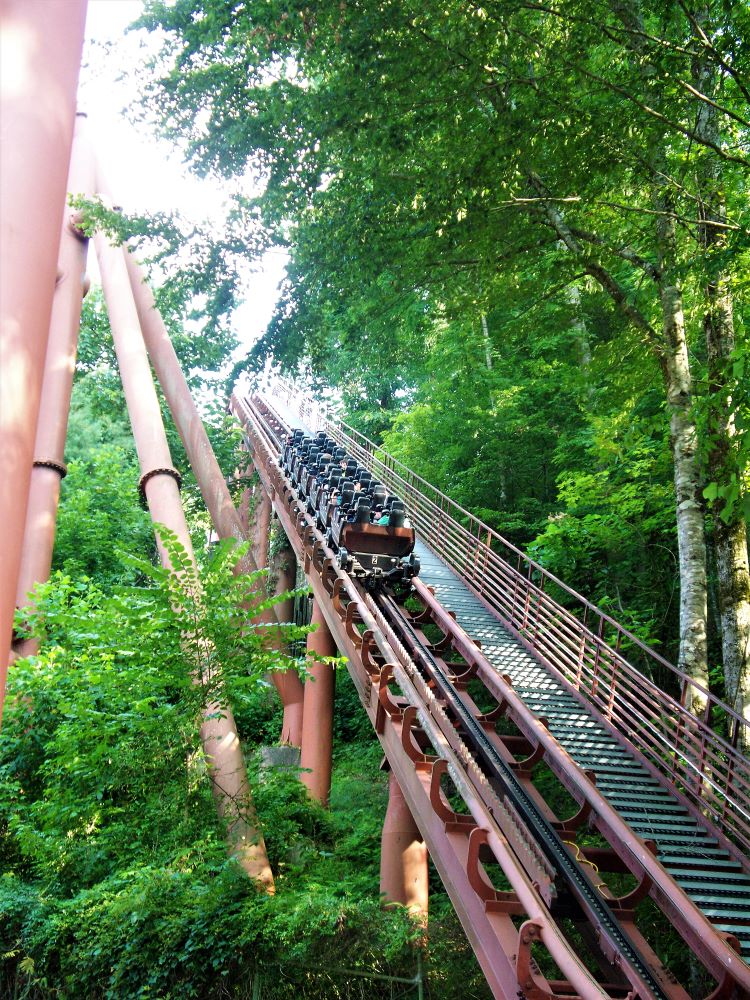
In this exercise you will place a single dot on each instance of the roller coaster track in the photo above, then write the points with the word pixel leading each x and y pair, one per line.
pixel 518 680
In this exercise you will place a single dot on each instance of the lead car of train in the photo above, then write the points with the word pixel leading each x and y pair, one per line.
pixel 364 525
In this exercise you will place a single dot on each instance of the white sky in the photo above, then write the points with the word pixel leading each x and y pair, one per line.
pixel 147 174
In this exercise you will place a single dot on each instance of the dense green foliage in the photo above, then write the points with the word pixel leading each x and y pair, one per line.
pixel 115 880
pixel 115 877
pixel 477 200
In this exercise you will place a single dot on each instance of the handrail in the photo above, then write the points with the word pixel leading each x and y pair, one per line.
pixel 708 770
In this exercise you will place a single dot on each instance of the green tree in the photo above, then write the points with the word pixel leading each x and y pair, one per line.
pixel 429 161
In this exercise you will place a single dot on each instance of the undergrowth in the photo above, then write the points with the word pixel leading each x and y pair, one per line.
pixel 114 876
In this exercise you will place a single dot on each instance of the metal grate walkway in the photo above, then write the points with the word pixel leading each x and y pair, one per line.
pixel 714 881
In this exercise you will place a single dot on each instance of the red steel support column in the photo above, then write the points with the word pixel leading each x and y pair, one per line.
pixel 284 570
pixel 243 507
pixel 49 449
pixel 317 716
pixel 403 856
pixel 288 684
pixel 40 55
pixel 159 482
pixel 185 413
pixel 203 462
pixel 261 526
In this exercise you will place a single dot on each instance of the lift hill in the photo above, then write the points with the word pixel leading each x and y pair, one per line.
pixel 668 795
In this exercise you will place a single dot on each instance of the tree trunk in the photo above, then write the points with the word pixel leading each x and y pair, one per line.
pixel 582 342
pixel 687 481
pixel 718 325
pixel 486 342
pixel 691 540
pixel 670 346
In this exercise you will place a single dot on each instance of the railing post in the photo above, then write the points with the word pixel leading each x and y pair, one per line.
pixel 701 764
pixel 514 595
pixel 539 596
pixel 727 786
pixel 612 685
pixel 477 553
pixel 581 653
pixel 678 737
pixel 524 623
pixel 597 659
pixel 615 664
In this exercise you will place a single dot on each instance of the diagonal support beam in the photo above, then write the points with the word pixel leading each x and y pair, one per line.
pixel 160 485
pixel 206 469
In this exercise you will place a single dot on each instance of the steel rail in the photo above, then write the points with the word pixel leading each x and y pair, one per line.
pixel 713 787
pixel 505 816
pixel 415 486
pixel 323 416
pixel 473 910
pixel 669 894
pixel 710 773
pixel 590 899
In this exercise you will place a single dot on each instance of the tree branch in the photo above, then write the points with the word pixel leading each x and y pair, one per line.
pixel 646 108
pixel 636 209
pixel 670 215
pixel 592 266
pixel 704 40
pixel 551 293
pixel 713 104
pixel 640 33
pixel 626 253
